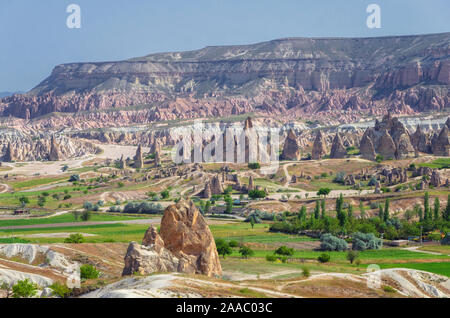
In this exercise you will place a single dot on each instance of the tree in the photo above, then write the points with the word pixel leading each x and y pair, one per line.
pixel 24 289
pixel 223 248
pixel 426 206
pixel 246 251
pixel 86 215
pixel 436 208
pixel 339 210
pixel 352 256
pixel 75 238
pixel 366 241
pixel 323 258
pixel 317 210
pixel 302 214
pixel 361 210
pixel 323 191
pixel 386 210
pixel 446 212
pixel 329 242
pixel 380 212
pixel 165 194
pixel 284 250
pixel 252 222
pixel 350 211
pixel 24 201
pixel 229 204
pixel 322 208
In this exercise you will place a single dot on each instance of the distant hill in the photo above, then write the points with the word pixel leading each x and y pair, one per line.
pixel 6 94
pixel 291 78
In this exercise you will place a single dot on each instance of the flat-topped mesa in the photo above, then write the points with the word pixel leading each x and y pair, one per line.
pixel 291 149
pixel 319 147
pixel 184 244
pixel 440 144
pixel 138 161
pixel 337 148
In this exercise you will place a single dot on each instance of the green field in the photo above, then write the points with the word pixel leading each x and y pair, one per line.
pixel 21 185
pixel 441 268
pixel 68 217
pixel 441 163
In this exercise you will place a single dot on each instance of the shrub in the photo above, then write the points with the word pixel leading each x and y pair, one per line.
pixel 340 177
pixel 284 250
pixel 271 258
pixel 254 165
pixel 74 238
pixel 306 272
pixel 324 258
pixel 88 271
pixel 143 207
pixel 329 242
pixel 24 289
pixel 389 289
pixel 246 251
pixel 366 241
pixel 60 289
pixel 256 194
pixel 74 178
pixel 165 194
pixel 86 215
pixel 352 256
pixel 233 243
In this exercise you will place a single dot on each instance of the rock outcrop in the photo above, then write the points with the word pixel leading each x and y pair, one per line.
pixel 366 147
pixel 54 154
pixel 138 161
pixel 291 149
pixel 184 244
pixel 420 140
pixel 440 144
pixel 319 147
pixel 337 148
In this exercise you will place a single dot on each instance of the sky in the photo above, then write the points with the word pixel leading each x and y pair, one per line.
pixel 34 37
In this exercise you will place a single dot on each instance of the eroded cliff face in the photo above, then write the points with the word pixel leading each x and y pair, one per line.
pixel 337 78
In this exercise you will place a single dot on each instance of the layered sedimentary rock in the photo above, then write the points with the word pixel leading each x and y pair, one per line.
pixel 18 146
pixel 337 148
pixel 184 244
pixel 291 149
pixel 293 77
pixel 319 147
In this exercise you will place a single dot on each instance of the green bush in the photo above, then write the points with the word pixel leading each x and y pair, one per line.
pixel 74 238
pixel 256 194
pixel 306 272
pixel 60 289
pixel 446 239
pixel 254 165
pixel 271 258
pixel 88 271
pixel 233 243
pixel 324 258
pixel 24 289
pixel 284 250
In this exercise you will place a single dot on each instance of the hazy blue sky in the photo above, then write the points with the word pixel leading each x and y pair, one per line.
pixel 34 36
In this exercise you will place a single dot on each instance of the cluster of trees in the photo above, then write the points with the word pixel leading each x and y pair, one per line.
pixel 225 248
pixel 344 222
pixel 143 207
